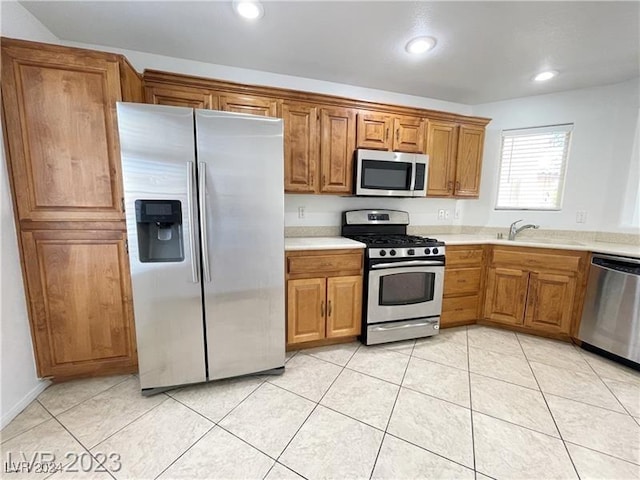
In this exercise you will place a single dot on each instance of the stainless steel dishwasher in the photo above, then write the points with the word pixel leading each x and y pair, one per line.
pixel 611 314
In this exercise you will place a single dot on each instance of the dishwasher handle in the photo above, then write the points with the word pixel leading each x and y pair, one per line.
pixel 630 266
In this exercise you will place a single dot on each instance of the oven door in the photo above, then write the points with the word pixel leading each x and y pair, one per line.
pixel 385 173
pixel 404 290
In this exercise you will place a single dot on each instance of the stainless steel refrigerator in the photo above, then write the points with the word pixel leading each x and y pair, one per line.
pixel 204 202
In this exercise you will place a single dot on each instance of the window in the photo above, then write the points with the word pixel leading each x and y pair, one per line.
pixel 532 168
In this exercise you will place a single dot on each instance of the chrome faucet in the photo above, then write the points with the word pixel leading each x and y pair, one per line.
pixel 513 231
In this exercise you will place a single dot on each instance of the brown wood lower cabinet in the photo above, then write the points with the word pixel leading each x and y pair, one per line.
pixel 324 295
pixel 80 301
pixel 463 284
pixel 536 290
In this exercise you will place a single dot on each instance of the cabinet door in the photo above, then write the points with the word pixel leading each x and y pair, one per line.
pixel 181 97
pixel 374 131
pixel 61 132
pixel 470 145
pixel 442 144
pixel 337 144
pixel 301 147
pixel 80 302
pixel 506 295
pixel 251 104
pixel 408 135
pixel 306 304
pixel 344 306
pixel 550 302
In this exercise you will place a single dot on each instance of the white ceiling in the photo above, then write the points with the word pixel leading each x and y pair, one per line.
pixel 486 51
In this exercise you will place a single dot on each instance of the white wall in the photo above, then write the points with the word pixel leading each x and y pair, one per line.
pixel 19 384
pixel 602 175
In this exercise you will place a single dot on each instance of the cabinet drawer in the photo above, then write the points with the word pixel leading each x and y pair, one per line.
pixel 324 263
pixel 458 281
pixel 464 255
pixel 531 260
pixel 459 309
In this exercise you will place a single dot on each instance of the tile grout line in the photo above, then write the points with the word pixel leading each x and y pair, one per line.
pixel 549 409
pixel 101 464
pixel 313 409
pixel 183 453
pixel 604 453
pixel 129 376
pixel 473 440
pixel 3 440
pixel 375 462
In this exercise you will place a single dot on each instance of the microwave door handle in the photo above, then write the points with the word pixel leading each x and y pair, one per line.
pixel 413 177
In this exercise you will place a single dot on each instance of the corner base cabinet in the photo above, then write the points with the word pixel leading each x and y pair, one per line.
pixel 324 296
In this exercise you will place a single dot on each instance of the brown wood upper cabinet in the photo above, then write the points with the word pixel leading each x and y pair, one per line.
pixel 455 159
pixel 535 289
pixel 60 127
pixel 181 96
pixel 318 148
pixel 387 132
pixel 251 104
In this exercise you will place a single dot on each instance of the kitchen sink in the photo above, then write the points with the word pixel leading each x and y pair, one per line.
pixel 550 241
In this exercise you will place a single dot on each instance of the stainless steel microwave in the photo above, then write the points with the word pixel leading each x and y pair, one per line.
pixel 390 174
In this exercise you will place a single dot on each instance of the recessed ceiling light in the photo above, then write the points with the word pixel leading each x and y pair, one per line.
pixel 248 9
pixel 544 76
pixel 420 45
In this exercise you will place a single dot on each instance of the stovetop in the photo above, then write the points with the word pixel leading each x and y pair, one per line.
pixel 377 240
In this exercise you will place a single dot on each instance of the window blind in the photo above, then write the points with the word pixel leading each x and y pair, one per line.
pixel 532 168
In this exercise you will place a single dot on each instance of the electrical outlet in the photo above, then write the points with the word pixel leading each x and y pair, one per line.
pixel 301 212
pixel 441 214
pixel 581 216
pixel 446 214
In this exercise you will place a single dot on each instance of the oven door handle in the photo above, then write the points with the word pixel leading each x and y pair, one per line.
pixel 410 263
pixel 406 325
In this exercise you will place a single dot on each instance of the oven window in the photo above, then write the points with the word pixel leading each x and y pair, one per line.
pixel 406 288
pixel 381 175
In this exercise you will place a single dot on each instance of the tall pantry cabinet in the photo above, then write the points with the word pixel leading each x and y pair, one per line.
pixel 62 151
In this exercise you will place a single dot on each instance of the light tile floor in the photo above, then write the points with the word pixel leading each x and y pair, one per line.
pixel 470 403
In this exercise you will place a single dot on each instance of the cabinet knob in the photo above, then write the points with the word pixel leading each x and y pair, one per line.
pixel 398 135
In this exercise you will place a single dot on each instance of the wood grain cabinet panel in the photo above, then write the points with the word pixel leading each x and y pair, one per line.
pixel 61 132
pixel 506 294
pixel 337 145
pixel 468 169
pixel 80 302
pixel 455 159
pixel 344 306
pixel 550 302
pixel 306 303
pixel 182 97
pixel 251 104
pixel 408 135
pixel 461 281
pixel 442 144
pixel 301 147
pixel 374 131
pixel 463 285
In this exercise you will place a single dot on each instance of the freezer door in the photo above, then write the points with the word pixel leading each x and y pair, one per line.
pixel 241 190
pixel 159 173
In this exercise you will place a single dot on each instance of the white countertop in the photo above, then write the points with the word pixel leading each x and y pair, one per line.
pixel 320 243
pixel 336 243
pixel 560 243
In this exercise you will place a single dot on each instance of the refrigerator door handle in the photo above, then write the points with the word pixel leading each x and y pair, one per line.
pixel 191 175
pixel 202 200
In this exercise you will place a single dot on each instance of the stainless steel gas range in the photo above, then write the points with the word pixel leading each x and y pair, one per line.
pixel 404 276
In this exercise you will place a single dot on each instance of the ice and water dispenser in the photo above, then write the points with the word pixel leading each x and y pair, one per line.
pixel 159 225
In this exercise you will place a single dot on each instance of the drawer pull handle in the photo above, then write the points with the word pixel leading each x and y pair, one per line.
pixel 329 309
pixel 322 309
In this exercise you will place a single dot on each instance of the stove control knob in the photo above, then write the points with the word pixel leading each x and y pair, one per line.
pixel 427 251
pixel 411 251
pixel 383 253
pixel 435 251
pixel 392 253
